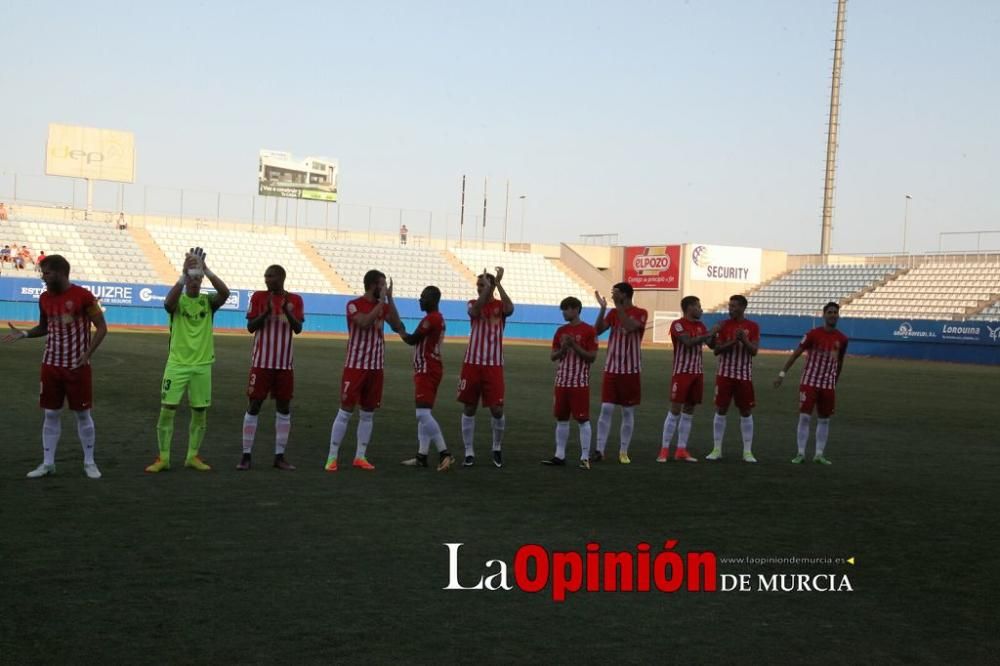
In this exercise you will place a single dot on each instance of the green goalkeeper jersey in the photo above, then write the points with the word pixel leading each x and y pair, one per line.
pixel 191 340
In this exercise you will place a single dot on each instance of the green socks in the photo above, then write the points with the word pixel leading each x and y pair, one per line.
pixel 165 432
pixel 196 433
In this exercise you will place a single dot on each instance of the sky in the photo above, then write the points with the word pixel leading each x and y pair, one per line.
pixel 662 121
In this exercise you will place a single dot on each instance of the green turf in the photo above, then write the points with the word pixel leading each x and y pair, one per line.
pixel 271 567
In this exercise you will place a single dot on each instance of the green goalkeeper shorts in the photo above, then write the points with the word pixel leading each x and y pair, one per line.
pixel 195 379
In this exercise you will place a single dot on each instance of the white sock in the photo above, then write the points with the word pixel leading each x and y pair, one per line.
pixel 498 427
pixel 585 436
pixel 85 429
pixel 669 428
pixel 249 431
pixel 282 426
pixel 51 429
pixel 434 432
pixel 684 431
pixel 365 426
pixel 628 426
pixel 822 432
pixel 338 431
pixel 469 434
pixel 746 429
pixel 423 436
pixel 562 436
pixel 805 420
pixel 719 430
pixel 604 426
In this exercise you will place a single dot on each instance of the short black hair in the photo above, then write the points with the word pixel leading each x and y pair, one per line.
pixel 434 293
pixel 371 277
pixel 687 302
pixel 55 262
pixel 571 302
pixel 739 298
pixel 832 304
pixel 625 288
pixel 280 270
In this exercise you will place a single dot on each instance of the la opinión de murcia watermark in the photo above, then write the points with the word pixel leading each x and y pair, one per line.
pixel 535 569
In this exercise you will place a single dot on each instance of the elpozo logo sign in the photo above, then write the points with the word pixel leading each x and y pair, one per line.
pixel 721 263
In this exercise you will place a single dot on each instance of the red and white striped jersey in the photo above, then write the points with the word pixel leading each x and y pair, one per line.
pixel 825 349
pixel 736 362
pixel 573 371
pixel 272 343
pixel 624 355
pixel 486 337
pixel 687 360
pixel 427 352
pixel 365 346
pixel 68 317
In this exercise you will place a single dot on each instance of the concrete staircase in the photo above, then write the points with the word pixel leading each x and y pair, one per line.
pixel 338 283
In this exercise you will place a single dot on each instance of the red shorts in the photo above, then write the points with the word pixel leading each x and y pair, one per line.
pixel 425 385
pixel 279 384
pixel 572 401
pixel 362 387
pixel 687 388
pixel 62 384
pixel 727 388
pixel 621 389
pixel 824 400
pixel 481 382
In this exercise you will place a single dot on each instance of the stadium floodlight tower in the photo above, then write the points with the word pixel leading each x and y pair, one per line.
pixel 831 132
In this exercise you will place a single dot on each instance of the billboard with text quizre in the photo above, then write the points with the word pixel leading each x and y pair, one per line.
pixel 721 263
pixel 89 152
pixel 279 175
pixel 653 267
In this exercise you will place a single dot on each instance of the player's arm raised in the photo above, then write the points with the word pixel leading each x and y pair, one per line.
pixel 174 295
pixel 476 307
pixel 505 302
pixel 96 317
pixel 391 313
pixel 364 320
pixel 39 330
pixel 221 290
pixel 599 324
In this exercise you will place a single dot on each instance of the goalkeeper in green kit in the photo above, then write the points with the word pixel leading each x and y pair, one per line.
pixel 189 363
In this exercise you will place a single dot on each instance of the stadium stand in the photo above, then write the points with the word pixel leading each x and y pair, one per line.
pixel 991 313
pixel 96 251
pixel 411 269
pixel 529 278
pixel 805 291
pixel 931 291
pixel 241 259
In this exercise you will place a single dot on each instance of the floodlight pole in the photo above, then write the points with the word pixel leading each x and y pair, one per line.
pixel 831 132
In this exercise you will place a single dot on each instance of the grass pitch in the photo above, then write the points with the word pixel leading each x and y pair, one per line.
pixel 272 567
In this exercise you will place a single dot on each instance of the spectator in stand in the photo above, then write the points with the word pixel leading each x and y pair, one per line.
pixel 26 255
pixel 3 212
pixel 38 259
pixel 402 234
pixel 122 224
pixel 5 254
